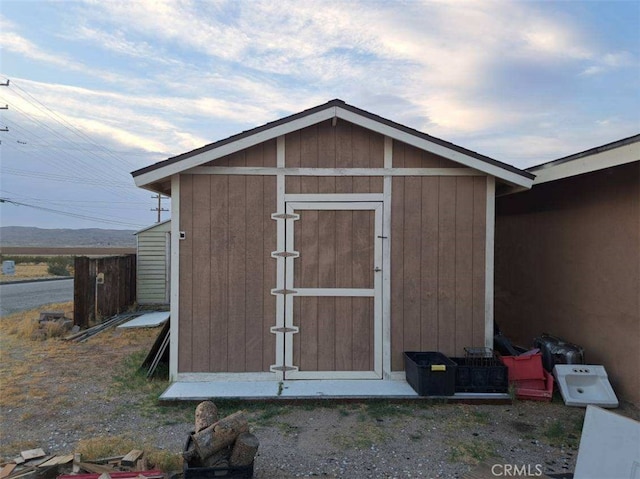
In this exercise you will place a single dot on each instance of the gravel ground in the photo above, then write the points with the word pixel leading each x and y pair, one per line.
pixel 55 394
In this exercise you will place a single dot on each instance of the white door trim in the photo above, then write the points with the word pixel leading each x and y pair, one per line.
pixel 323 202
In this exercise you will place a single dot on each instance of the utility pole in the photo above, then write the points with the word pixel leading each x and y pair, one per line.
pixel 6 107
pixel 159 208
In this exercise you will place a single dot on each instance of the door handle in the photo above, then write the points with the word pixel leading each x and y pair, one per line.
pixel 377 269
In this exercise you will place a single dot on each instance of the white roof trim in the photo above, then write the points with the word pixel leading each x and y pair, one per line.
pixel 587 164
pixel 322 115
pixel 229 148
pixel 432 147
pixel 155 225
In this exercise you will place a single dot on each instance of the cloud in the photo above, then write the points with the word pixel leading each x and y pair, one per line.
pixel 609 62
pixel 214 68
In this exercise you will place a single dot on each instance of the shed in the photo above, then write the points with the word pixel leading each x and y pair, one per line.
pixel 154 265
pixel 309 253
pixel 568 258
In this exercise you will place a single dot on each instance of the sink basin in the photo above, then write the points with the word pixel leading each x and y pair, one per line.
pixel 584 384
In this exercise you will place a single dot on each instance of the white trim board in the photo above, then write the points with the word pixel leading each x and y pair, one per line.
pixel 426 145
pixel 310 119
pixel 321 202
pixel 586 164
pixel 490 224
pixel 232 147
pixel 269 171
pixel 175 278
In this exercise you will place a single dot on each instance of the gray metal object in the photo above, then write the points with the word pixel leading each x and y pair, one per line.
pixel 557 351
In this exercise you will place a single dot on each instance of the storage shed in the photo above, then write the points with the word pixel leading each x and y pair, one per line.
pixel 321 247
pixel 154 265
pixel 568 258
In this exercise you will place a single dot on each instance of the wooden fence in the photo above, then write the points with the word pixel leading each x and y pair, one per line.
pixel 103 287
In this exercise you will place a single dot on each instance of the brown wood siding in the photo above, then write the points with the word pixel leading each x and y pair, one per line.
pixel 568 264
pixel 263 154
pixel 343 146
pixel 437 263
pixel 226 273
pixel 407 156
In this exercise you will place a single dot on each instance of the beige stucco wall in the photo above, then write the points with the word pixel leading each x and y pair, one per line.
pixel 567 262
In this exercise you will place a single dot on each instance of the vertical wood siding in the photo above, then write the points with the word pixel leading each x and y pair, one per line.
pixel 343 146
pixel 262 154
pixel 438 234
pixel 115 295
pixel 152 265
pixel 226 272
pixel 437 259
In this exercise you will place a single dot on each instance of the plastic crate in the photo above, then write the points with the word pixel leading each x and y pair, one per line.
pixel 230 472
pixel 487 376
pixel 527 366
pixel 430 373
pixel 545 394
pixel 538 384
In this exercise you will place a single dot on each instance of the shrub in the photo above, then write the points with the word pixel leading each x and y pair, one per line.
pixel 59 265
pixel 58 270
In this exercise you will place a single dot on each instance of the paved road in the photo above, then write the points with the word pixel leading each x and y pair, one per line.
pixel 16 297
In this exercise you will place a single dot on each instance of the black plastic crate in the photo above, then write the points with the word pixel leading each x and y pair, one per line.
pixel 230 472
pixel 487 376
pixel 430 373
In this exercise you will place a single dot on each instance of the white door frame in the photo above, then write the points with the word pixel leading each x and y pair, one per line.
pixel 292 371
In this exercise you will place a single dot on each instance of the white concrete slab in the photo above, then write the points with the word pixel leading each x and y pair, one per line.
pixel 304 389
pixel 147 320
pixel 609 446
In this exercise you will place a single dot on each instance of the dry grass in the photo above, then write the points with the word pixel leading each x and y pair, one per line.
pixel 112 446
pixel 29 370
pixel 27 271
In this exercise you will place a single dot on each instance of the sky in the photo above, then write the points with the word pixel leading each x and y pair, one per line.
pixel 99 88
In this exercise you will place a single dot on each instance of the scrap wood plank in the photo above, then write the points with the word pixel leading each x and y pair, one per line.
pixel 22 472
pixel 57 461
pixel 32 454
pixel 7 469
pixel 107 460
pixel 130 459
pixel 151 474
pixel 96 468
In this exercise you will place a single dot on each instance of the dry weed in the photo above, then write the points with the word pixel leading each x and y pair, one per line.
pixel 112 446
pixel 27 271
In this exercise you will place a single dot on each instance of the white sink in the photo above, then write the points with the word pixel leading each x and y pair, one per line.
pixel 583 384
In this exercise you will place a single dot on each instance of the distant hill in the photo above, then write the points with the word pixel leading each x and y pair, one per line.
pixel 90 237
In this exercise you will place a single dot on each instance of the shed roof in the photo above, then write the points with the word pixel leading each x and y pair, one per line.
pixel 612 154
pixel 155 225
pixel 153 174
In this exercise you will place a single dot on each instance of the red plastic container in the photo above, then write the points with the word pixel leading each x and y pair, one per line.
pixel 539 384
pixel 527 366
pixel 537 394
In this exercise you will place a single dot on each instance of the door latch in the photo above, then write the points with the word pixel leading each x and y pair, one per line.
pixel 377 269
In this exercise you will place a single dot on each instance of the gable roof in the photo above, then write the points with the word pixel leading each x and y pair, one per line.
pixel 332 109
pixel 612 154
pixel 155 225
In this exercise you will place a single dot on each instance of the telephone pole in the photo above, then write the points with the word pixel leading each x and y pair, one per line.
pixel 159 208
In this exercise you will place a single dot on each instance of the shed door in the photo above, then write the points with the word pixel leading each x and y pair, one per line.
pixel 335 310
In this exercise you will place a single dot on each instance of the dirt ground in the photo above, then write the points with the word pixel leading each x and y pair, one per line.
pixel 58 395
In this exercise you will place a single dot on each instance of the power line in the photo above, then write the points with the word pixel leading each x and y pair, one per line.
pixel 66 213
pixel 66 124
